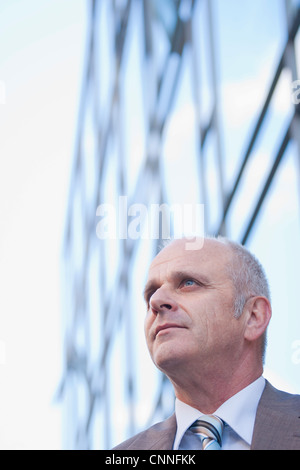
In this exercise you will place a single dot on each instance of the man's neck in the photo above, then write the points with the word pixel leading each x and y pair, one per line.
pixel 208 392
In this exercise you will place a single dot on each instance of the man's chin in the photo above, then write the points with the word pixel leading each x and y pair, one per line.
pixel 169 360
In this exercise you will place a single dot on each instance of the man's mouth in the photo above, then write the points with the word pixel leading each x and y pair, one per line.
pixel 160 329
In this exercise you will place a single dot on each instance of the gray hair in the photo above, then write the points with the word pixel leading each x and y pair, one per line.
pixel 247 274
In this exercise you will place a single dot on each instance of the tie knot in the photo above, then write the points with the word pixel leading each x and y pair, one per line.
pixel 209 428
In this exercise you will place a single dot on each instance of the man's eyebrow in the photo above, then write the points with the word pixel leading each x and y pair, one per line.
pixel 190 274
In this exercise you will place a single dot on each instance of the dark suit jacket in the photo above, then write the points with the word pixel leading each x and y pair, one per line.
pixel 277 426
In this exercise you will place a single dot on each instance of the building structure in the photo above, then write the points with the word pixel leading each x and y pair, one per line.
pixel 183 103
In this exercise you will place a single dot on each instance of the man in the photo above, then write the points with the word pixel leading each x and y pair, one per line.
pixel 207 315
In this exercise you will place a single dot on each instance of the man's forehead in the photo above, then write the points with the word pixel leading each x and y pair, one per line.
pixel 176 256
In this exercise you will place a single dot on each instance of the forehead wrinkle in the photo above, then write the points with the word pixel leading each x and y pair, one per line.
pixel 156 263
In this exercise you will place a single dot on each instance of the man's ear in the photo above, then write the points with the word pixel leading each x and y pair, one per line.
pixel 259 315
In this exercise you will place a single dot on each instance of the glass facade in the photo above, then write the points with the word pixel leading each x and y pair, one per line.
pixel 183 102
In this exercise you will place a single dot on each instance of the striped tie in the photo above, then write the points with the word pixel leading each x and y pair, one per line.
pixel 209 429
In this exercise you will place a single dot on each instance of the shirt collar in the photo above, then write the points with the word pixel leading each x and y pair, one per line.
pixel 238 412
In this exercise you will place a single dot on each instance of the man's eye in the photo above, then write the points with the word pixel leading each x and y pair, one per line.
pixel 188 282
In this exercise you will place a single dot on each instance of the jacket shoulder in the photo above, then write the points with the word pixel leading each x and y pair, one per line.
pixel 278 399
pixel 277 423
pixel 159 436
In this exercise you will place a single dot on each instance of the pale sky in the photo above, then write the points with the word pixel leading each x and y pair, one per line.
pixel 41 59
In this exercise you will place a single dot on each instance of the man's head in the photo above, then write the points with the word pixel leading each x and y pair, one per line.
pixel 206 308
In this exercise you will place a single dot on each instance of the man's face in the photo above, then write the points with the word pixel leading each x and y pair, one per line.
pixel 190 313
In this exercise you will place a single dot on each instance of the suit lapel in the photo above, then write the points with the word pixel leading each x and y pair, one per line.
pixel 158 437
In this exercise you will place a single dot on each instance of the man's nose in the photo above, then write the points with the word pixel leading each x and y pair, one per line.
pixel 161 301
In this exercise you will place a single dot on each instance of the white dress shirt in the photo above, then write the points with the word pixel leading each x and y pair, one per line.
pixel 238 413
